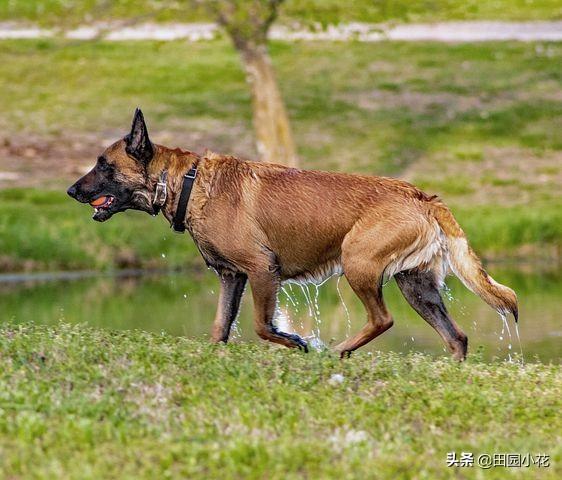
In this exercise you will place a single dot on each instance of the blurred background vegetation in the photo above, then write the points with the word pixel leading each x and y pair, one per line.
pixel 321 11
pixel 477 123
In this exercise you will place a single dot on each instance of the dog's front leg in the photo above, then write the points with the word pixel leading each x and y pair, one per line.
pixel 232 288
pixel 264 292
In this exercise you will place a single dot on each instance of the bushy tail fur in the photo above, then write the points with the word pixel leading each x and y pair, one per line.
pixel 467 266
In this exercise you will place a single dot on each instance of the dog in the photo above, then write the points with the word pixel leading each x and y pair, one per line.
pixel 266 224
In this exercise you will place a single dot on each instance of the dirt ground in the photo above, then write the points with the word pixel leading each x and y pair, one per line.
pixel 37 162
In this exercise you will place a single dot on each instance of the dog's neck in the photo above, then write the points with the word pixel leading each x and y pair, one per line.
pixel 176 163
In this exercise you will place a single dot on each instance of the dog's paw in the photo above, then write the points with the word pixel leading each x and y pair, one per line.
pixel 299 342
pixel 345 353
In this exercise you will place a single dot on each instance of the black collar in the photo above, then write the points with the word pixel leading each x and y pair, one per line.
pixel 178 223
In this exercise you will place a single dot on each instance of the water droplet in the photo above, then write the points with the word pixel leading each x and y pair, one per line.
pixel 519 341
pixel 289 296
pixel 447 293
pixel 316 343
pixel 235 329
pixel 348 327
pixel 283 321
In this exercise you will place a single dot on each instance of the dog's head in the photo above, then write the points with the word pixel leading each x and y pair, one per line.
pixel 119 181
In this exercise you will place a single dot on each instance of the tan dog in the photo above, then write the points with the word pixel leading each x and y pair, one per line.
pixel 269 224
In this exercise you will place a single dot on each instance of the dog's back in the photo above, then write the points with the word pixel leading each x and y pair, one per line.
pixel 307 218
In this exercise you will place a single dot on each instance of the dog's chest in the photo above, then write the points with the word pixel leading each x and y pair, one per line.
pixel 212 256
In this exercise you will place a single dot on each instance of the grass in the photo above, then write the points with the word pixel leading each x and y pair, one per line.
pixel 404 102
pixel 84 403
pixel 45 231
pixel 493 229
pixel 80 402
pixel 322 11
pixel 476 123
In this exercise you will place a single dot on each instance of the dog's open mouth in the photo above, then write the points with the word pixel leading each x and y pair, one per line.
pixel 102 203
pixel 104 207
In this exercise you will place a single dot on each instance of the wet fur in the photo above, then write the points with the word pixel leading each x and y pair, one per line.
pixel 266 224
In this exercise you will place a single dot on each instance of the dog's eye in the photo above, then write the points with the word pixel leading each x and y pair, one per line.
pixel 103 165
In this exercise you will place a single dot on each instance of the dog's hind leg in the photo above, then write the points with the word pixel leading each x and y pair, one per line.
pixel 232 288
pixel 363 267
pixel 421 290
pixel 378 318
pixel 265 287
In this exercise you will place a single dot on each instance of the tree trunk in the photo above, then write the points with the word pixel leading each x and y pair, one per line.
pixel 274 140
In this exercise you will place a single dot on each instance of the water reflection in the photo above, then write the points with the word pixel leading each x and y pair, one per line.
pixel 184 304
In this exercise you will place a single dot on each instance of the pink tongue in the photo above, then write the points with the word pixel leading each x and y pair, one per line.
pixel 98 202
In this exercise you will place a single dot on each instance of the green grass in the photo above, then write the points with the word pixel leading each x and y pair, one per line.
pixel 84 403
pixel 483 95
pixel 42 230
pixel 377 109
pixel 323 11
pixel 493 229
pixel 451 185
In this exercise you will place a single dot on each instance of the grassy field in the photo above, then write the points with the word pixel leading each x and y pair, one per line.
pixel 324 11
pixel 355 107
pixel 42 231
pixel 477 124
pixel 83 403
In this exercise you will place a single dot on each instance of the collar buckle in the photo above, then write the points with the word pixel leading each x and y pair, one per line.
pixel 192 173
pixel 161 191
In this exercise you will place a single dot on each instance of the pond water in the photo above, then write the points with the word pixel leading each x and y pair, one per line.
pixel 184 304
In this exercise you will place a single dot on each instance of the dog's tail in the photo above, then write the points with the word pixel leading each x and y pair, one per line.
pixel 466 265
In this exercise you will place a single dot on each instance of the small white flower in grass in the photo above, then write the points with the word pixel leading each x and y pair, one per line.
pixel 336 379
pixel 355 436
pixel 342 438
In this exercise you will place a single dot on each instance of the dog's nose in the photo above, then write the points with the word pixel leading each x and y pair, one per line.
pixel 72 191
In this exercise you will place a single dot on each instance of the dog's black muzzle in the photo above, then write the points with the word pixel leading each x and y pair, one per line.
pixel 73 192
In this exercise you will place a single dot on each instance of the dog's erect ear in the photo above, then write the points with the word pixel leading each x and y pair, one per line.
pixel 139 145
